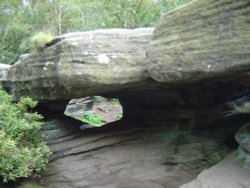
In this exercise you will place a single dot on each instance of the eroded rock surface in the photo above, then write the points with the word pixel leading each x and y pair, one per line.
pixel 243 137
pixel 198 42
pixel 59 130
pixel 229 173
pixel 166 138
pixel 3 72
pixel 131 158
pixel 82 64
pixel 203 39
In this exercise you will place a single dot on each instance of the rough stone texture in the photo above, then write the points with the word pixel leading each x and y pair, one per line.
pixel 166 138
pixel 59 129
pixel 148 157
pixel 81 64
pixel 169 147
pixel 96 111
pixel 243 137
pixel 200 105
pixel 3 72
pixel 203 39
pixel 157 147
pixel 228 173
pixel 244 156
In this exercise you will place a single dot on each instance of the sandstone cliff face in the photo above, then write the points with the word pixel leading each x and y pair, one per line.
pixel 203 39
pixel 227 173
pixel 176 99
pixel 82 64
pixel 139 157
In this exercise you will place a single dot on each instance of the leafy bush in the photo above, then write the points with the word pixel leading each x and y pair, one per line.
pixel 22 153
pixel 41 39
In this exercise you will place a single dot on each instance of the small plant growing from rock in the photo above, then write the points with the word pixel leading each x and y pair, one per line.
pixel 40 40
pixel 92 118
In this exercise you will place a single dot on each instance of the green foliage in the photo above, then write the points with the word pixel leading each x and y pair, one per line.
pixel 41 39
pixel 22 152
pixel 92 118
pixel 18 23
pixel 130 13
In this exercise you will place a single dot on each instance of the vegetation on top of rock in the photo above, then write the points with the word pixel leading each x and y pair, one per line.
pixel 22 153
pixel 41 39
pixel 20 20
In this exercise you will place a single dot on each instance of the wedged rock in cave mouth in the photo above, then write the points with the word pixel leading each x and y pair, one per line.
pixel 3 72
pixel 80 64
pixel 205 38
pixel 127 158
pixel 229 173
pixel 94 111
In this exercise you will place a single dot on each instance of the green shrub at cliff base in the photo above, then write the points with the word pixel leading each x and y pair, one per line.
pixel 22 153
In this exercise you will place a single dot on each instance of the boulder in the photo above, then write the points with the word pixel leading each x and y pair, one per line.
pixel 228 173
pixel 82 64
pixel 4 71
pixel 95 111
pixel 205 38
